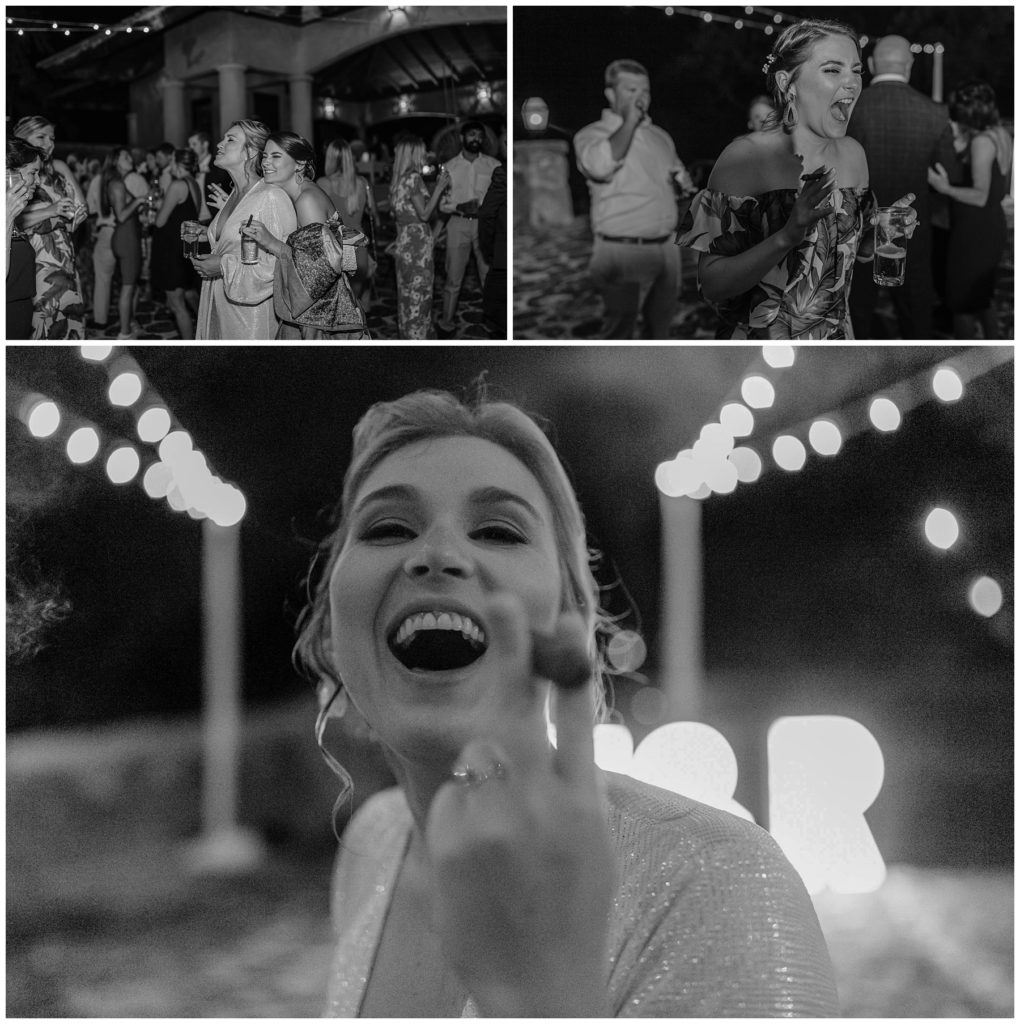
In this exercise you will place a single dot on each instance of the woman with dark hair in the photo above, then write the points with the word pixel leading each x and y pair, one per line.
pixel 171 272
pixel 49 222
pixel 452 605
pixel 978 232
pixel 787 208
pixel 413 208
pixel 127 236
pixel 312 291
pixel 24 163
pixel 237 297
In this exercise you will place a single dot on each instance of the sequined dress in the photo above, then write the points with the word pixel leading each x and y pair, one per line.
pixel 709 918
pixel 805 295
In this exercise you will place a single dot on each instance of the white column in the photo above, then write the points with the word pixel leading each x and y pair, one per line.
pixel 132 130
pixel 223 845
pixel 936 76
pixel 680 627
pixel 301 105
pixel 175 124
pixel 233 96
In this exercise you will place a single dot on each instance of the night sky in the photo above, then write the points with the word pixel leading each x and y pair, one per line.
pixel 704 75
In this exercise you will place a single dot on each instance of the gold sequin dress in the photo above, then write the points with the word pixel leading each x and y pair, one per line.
pixel 709 919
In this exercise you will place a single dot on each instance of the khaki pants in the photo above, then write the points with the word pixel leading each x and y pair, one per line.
pixel 461 241
pixel 636 279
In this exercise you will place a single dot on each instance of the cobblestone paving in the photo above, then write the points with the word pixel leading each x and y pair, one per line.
pixel 930 943
pixel 553 297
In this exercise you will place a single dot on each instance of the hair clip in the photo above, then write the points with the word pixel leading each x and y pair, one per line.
pixel 769 61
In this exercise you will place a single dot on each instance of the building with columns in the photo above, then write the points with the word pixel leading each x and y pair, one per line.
pixel 302 68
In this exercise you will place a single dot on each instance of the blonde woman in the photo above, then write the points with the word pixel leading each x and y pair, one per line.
pixel 350 193
pixel 237 297
pixel 413 208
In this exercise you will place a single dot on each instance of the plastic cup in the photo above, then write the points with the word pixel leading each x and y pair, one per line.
pixel 890 264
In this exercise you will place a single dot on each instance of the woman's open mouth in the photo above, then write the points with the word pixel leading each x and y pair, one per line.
pixel 437 641
pixel 841 109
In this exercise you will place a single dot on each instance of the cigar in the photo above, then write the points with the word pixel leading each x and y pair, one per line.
pixel 563 657
pixel 814 176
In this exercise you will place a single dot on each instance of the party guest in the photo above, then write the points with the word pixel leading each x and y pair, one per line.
pixel 171 272
pixel 631 166
pixel 413 208
pixel 312 290
pixel 237 297
pixel 208 174
pixel 104 263
pixel 902 132
pixel 492 239
pixel 470 172
pixel 24 163
pixel 49 221
pixel 454 613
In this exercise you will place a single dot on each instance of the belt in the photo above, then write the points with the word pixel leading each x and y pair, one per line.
pixel 634 241
pixel 466 216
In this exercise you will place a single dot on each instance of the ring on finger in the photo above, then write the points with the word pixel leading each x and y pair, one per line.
pixel 467 775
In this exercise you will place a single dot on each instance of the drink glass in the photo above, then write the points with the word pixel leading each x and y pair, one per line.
pixel 249 250
pixel 891 223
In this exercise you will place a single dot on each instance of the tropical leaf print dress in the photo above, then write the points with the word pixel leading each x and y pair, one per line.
pixel 415 267
pixel 58 308
pixel 805 296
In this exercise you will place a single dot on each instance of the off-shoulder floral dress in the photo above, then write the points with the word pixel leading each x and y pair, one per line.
pixel 805 296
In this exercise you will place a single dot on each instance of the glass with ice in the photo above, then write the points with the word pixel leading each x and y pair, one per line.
pixel 891 224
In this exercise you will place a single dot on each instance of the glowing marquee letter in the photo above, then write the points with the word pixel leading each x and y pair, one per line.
pixel 824 772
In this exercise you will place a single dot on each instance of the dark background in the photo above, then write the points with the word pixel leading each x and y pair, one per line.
pixel 820 593
pixel 704 76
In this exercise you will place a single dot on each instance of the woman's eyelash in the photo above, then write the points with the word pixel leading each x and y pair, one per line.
pixel 500 532
pixel 389 529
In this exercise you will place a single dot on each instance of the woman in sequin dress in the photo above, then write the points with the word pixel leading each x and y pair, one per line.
pixel 787 209
pixel 413 208
pixel 49 222
pixel 504 876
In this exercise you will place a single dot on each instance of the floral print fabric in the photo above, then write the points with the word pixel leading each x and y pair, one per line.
pixel 58 308
pixel 805 295
pixel 414 259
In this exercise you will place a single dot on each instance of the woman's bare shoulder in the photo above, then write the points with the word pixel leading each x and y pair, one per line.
pixel 748 166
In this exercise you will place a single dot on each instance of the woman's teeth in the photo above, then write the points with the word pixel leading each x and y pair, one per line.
pixel 453 621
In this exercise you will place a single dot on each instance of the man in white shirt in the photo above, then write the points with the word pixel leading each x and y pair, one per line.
pixel 470 173
pixel 632 169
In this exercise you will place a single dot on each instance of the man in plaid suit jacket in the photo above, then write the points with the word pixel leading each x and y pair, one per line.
pixel 902 132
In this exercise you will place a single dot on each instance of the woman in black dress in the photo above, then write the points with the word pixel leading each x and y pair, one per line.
pixel 127 235
pixel 171 272
pixel 977 233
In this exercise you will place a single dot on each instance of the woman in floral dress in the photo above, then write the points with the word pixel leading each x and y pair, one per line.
pixel 49 222
pixel 785 214
pixel 413 208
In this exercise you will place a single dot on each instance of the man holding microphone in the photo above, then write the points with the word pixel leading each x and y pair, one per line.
pixel 632 170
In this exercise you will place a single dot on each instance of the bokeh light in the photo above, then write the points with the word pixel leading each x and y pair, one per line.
pixel 679 476
pixel 123 464
pixel 158 480
pixel 825 437
pixel 96 353
pixel 941 528
pixel 83 445
pixel 737 419
pixel 947 385
pixel 648 706
pixel 125 389
pixel 789 453
pixel 722 477
pixel 884 414
pixel 154 424
pixel 778 356
pixel 626 651
pixel 985 596
pixel 175 445
pixel 757 392
pixel 747 463
pixel 43 418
